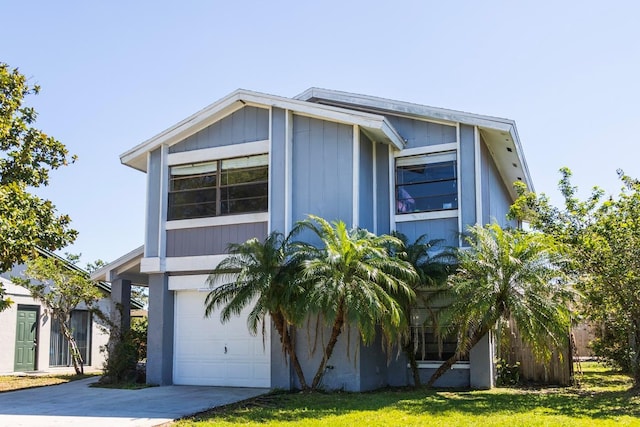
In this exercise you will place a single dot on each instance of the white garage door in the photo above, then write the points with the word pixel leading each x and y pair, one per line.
pixel 207 352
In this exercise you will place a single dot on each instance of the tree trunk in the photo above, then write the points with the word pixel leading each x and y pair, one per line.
pixel 453 359
pixel 634 344
pixel 335 332
pixel 287 344
pixel 409 350
pixel 76 358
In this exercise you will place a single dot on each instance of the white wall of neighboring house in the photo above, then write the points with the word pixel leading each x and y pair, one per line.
pixel 21 297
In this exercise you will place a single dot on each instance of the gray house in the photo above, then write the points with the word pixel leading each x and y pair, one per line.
pixel 252 163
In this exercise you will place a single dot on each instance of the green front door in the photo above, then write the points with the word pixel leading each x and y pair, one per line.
pixel 26 338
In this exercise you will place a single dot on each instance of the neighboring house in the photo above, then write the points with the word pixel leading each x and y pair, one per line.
pixel 252 163
pixel 33 340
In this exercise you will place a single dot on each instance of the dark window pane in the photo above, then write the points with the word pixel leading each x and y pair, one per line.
pixel 243 185
pixel 239 176
pixel 428 187
pixel 192 182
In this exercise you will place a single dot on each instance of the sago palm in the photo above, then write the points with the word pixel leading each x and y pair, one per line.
pixel 262 274
pixel 508 274
pixel 352 281
pixel 432 263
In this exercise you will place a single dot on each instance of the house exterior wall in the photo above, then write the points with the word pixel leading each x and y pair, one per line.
pixel 421 133
pixel 211 240
pixel 466 161
pixel 22 298
pixel 339 172
pixel 244 125
pixel 383 201
pixel 495 197
pixel 322 166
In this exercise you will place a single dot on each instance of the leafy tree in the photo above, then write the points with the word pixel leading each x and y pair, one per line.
pixel 432 264
pixel 603 235
pixel 61 289
pixel 508 274
pixel 263 274
pixel 27 155
pixel 4 302
pixel 352 280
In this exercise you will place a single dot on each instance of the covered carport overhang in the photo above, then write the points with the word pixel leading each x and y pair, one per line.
pixel 122 274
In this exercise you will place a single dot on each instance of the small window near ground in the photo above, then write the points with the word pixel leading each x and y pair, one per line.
pixel 432 347
pixel 221 187
pixel 426 183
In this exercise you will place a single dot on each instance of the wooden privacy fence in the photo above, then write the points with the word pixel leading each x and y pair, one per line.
pixel 558 370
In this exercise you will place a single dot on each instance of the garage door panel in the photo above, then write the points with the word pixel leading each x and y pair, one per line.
pixel 200 343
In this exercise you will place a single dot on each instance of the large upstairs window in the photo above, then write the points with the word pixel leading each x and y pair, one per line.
pixel 426 183
pixel 219 187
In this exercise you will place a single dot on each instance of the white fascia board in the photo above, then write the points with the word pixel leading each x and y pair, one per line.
pixel 324 112
pixel 405 108
pixel 239 99
pixel 128 259
pixel 184 128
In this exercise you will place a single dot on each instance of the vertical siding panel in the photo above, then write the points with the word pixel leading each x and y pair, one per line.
pixel 344 186
pixel 262 124
pixel 250 124
pixel 245 125
pixel 366 183
pixel 419 133
pixel 382 190
pixel 237 125
pixel 467 176
pixel 277 170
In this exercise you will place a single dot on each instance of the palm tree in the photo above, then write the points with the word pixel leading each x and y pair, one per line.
pixel 432 264
pixel 508 274
pixel 262 273
pixel 353 280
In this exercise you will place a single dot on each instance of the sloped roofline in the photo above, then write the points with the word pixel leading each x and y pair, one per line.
pixel 103 272
pixel 99 283
pixel 136 157
pixel 409 109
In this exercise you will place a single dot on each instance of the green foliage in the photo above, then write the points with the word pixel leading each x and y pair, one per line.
pixel 139 328
pixel 508 274
pixel 4 301
pixel 61 288
pixel 353 280
pixel 120 364
pixel 27 155
pixel 507 374
pixel 433 264
pixel 603 239
pixel 605 400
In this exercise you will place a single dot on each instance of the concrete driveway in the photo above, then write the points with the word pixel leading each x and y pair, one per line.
pixel 77 404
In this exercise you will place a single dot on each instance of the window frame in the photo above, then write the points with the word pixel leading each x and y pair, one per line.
pixel 426 159
pixel 59 347
pixel 219 188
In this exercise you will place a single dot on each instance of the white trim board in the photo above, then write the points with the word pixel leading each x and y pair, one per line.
pixel 192 282
pixel 217 220
pixel 421 216
pixel 428 149
pixel 216 153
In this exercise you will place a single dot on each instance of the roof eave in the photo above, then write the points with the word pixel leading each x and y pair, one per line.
pixel 136 157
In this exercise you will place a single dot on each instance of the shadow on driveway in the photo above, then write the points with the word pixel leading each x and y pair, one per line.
pixel 77 404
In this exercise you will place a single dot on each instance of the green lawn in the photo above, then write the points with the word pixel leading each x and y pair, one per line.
pixel 14 382
pixel 604 399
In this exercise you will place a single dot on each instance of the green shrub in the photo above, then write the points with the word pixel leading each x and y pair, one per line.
pixel 507 375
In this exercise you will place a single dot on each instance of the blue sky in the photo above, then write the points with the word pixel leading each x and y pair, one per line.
pixel 114 74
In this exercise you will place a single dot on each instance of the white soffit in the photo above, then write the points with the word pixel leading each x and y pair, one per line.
pixel 375 124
